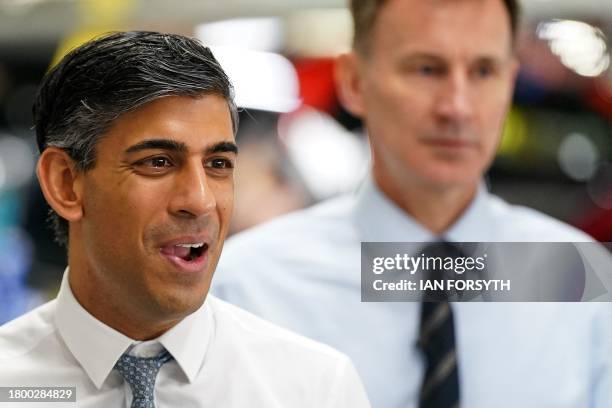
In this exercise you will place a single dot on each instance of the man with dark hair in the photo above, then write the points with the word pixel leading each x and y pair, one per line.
pixel 83 95
pixel 136 137
pixel 432 81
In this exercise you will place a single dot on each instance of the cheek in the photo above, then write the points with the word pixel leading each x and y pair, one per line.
pixel 104 228
pixel 493 105
pixel 396 127
pixel 492 127
pixel 225 204
pixel 119 211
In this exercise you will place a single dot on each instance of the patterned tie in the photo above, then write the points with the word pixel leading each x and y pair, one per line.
pixel 140 373
pixel 440 388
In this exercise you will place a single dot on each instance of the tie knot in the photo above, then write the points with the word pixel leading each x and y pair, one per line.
pixel 443 249
pixel 140 373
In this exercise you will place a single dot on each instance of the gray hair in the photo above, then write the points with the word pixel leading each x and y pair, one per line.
pixel 96 83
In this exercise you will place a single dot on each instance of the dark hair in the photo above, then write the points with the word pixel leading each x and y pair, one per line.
pixel 365 12
pixel 96 83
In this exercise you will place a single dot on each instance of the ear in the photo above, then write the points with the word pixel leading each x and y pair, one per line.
pixel 60 183
pixel 349 83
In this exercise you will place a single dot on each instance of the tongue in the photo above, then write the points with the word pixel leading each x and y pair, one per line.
pixel 179 251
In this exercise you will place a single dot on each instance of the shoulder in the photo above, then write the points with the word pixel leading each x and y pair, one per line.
pixel 302 372
pixel 520 223
pixel 262 337
pixel 294 236
pixel 319 218
pixel 20 336
pixel 297 246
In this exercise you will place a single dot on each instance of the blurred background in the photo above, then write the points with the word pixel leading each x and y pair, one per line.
pixel 298 146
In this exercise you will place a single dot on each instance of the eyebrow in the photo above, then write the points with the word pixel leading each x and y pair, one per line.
pixel 163 144
pixel 421 56
pixel 179 147
pixel 222 147
pixel 424 56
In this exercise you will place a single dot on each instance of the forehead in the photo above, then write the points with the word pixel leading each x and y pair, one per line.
pixel 195 121
pixel 445 27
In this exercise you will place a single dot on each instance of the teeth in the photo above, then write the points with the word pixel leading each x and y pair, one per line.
pixel 196 245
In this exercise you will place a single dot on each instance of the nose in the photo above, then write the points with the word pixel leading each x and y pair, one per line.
pixel 192 196
pixel 454 101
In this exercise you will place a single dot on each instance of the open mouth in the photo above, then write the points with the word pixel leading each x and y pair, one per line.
pixel 187 252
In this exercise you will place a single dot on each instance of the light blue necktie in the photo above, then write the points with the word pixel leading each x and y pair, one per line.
pixel 140 373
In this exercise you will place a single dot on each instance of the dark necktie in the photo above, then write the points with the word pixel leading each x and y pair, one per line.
pixel 440 388
pixel 140 373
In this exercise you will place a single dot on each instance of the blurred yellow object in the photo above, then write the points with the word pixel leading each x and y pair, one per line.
pixel 96 17
pixel 514 136
pixel 94 12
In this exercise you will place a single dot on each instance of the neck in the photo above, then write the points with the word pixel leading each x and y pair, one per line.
pixel 119 318
pixel 436 208
pixel 103 302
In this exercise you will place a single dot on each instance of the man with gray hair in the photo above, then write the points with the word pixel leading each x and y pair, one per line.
pixel 432 81
pixel 136 132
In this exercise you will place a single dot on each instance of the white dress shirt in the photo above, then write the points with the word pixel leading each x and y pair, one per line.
pixel 223 357
pixel 303 272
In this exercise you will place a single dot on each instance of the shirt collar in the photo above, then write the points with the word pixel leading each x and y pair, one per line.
pixel 97 347
pixel 476 224
pixel 188 341
pixel 378 219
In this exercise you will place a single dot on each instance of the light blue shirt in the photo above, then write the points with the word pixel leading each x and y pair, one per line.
pixel 302 271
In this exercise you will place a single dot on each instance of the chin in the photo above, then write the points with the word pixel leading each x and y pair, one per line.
pixel 178 303
pixel 453 178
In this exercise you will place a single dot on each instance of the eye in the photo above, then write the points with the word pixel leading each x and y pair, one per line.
pixel 430 70
pixel 484 71
pixel 426 69
pixel 220 163
pixel 154 165
pixel 159 162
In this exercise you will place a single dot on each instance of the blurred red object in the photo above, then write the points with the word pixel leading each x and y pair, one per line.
pixel 316 77
pixel 597 224
pixel 599 97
